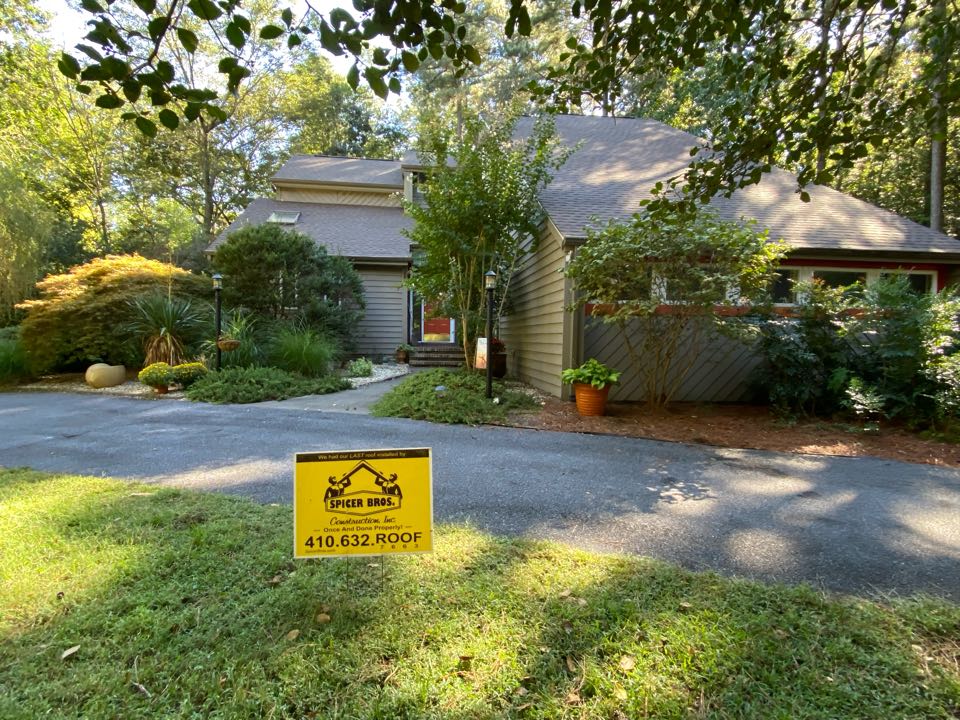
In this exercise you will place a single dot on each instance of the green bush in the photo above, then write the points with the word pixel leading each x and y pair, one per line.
pixel 302 351
pixel 250 385
pixel 187 374
pixel 361 367
pixel 13 358
pixel 158 374
pixel 450 397
pixel 81 316
pixel 280 274
pixel 167 326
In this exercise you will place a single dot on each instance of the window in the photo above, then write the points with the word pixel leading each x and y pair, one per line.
pixel 284 218
pixel 922 281
pixel 782 290
pixel 840 278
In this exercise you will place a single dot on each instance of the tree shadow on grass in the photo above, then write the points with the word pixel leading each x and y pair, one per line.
pixel 196 618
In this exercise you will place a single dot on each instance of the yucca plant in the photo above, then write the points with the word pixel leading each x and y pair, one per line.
pixel 166 326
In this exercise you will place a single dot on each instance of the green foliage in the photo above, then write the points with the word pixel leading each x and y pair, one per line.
pixel 281 274
pixel 805 359
pixel 187 374
pixel 592 372
pixel 13 358
pixel 302 351
pixel 80 316
pixel 361 367
pixel 480 211
pixel 252 334
pixel 250 385
pixel 158 374
pixel 167 326
pixel 887 351
pixel 660 278
pixel 450 397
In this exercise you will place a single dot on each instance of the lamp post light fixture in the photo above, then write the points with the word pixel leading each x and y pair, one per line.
pixel 217 287
pixel 490 283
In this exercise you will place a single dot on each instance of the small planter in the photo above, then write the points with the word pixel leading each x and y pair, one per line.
pixel 161 389
pixel 228 344
pixel 498 364
pixel 402 356
pixel 591 401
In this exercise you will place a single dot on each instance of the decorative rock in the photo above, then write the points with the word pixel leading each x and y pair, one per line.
pixel 102 375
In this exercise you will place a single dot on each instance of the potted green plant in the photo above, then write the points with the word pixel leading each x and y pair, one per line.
pixel 157 375
pixel 591 385
pixel 403 352
pixel 498 358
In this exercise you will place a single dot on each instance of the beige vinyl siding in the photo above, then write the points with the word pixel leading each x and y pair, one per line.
pixel 721 371
pixel 339 197
pixel 534 330
pixel 384 324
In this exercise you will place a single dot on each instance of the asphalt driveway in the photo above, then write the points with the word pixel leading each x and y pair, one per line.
pixel 851 524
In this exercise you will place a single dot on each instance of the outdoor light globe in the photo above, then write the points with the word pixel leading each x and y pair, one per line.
pixel 217 281
pixel 490 280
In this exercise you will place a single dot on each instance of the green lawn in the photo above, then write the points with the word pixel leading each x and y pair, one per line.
pixel 189 605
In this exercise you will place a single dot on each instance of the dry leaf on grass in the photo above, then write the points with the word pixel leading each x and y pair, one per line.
pixel 293 634
pixel 322 618
pixel 620 694
pixel 275 580
pixel 566 593
pixel 573 698
pixel 571 665
pixel 140 689
pixel 69 652
pixel 628 663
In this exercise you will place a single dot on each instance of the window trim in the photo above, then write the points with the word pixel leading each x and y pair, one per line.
pixel 805 274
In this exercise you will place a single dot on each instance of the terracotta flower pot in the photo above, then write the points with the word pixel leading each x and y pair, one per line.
pixel 161 389
pixel 590 400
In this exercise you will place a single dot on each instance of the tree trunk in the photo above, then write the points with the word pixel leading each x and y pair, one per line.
pixel 938 123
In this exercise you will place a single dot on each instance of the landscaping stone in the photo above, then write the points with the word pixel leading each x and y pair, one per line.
pixel 101 375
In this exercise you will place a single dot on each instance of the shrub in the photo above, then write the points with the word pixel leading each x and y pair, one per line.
pixel 449 397
pixel 81 316
pixel 283 275
pixel 250 385
pixel 361 367
pixel 13 358
pixel 158 374
pixel 187 374
pixel 166 326
pixel 592 372
pixel 302 351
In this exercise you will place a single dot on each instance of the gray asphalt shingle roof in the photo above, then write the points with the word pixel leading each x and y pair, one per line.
pixel 340 171
pixel 359 232
pixel 621 159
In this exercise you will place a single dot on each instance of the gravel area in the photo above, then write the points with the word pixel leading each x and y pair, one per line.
pixel 133 388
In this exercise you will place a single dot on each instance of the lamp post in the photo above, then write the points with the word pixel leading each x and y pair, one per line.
pixel 217 287
pixel 490 283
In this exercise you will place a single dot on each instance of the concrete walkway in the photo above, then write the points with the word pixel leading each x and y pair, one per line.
pixel 357 401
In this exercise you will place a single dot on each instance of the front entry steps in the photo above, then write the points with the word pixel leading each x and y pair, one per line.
pixel 436 355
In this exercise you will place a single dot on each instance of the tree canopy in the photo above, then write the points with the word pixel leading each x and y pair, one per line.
pixel 810 76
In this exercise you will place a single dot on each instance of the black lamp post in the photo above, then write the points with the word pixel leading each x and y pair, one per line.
pixel 217 287
pixel 490 283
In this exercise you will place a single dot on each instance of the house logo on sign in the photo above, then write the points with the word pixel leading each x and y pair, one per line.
pixel 362 491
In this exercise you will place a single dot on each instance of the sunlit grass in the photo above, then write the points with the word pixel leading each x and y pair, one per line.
pixel 184 605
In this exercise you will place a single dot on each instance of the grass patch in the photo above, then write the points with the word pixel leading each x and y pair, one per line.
pixel 462 398
pixel 185 605
pixel 256 384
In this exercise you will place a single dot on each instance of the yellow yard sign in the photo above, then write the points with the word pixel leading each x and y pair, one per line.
pixel 362 502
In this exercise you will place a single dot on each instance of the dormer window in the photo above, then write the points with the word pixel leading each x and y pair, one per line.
pixel 284 218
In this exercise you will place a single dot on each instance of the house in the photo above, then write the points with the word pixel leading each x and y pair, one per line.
pixel 352 206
